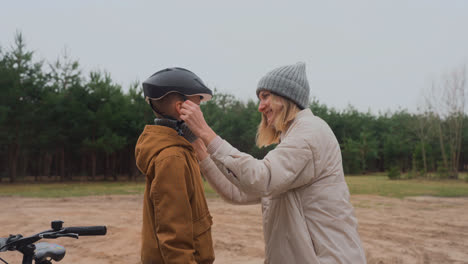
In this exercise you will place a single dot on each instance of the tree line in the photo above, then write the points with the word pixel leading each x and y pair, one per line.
pixel 59 123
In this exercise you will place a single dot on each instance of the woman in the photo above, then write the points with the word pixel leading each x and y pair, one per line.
pixel 307 216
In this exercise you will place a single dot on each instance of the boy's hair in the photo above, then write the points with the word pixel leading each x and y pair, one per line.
pixel 162 105
pixel 287 110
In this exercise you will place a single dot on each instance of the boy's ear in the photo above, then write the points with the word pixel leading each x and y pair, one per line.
pixel 178 106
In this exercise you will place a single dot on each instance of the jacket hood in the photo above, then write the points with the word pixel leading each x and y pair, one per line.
pixel 153 140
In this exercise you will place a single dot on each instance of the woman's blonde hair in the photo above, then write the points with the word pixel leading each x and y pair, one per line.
pixel 287 110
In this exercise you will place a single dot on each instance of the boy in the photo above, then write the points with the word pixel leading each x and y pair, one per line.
pixel 176 221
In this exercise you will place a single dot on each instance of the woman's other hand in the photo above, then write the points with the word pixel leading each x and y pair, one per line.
pixel 200 149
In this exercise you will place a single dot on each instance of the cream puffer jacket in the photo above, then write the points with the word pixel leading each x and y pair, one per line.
pixel 307 215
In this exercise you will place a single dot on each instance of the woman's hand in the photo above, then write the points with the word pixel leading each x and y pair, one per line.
pixel 200 149
pixel 193 117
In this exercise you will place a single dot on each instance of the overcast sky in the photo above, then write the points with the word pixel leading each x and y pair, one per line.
pixel 376 55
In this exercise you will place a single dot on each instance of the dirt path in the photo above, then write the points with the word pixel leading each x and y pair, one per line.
pixel 412 230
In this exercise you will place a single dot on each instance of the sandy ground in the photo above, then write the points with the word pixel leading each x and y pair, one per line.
pixel 413 230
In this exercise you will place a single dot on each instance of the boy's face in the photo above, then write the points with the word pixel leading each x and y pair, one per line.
pixel 194 98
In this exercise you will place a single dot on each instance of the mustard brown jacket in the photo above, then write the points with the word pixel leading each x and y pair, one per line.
pixel 176 221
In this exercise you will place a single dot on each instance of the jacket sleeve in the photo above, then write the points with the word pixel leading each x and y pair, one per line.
pixel 228 191
pixel 170 193
pixel 279 171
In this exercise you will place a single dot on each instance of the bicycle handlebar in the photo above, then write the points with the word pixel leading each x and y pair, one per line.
pixel 85 230
pixel 25 244
pixel 19 241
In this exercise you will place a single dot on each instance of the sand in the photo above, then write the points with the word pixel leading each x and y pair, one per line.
pixel 411 230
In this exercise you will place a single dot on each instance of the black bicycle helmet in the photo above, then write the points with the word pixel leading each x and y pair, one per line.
pixel 178 80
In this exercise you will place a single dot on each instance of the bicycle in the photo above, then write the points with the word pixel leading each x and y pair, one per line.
pixel 44 252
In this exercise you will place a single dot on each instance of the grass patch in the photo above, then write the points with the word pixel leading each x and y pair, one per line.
pixel 209 192
pixel 50 190
pixel 381 185
pixel 74 189
pixel 370 184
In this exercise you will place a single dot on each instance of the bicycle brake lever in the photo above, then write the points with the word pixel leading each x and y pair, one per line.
pixel 55 235
pixel 69 235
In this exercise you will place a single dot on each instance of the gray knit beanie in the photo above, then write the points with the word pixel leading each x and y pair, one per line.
pixel 288 81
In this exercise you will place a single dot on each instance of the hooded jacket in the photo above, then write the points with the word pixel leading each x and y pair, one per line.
pixel 307 215
pixel 176 221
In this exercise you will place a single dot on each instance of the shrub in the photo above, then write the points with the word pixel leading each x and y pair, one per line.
pixel 442 171
pixel 411 174
pixel 394 173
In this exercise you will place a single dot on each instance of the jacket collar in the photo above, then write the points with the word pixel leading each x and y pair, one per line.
pixel 179 126
pixel 300 115
pixel 303 113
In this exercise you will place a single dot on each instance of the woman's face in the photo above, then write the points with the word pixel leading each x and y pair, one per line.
pixel 265 107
